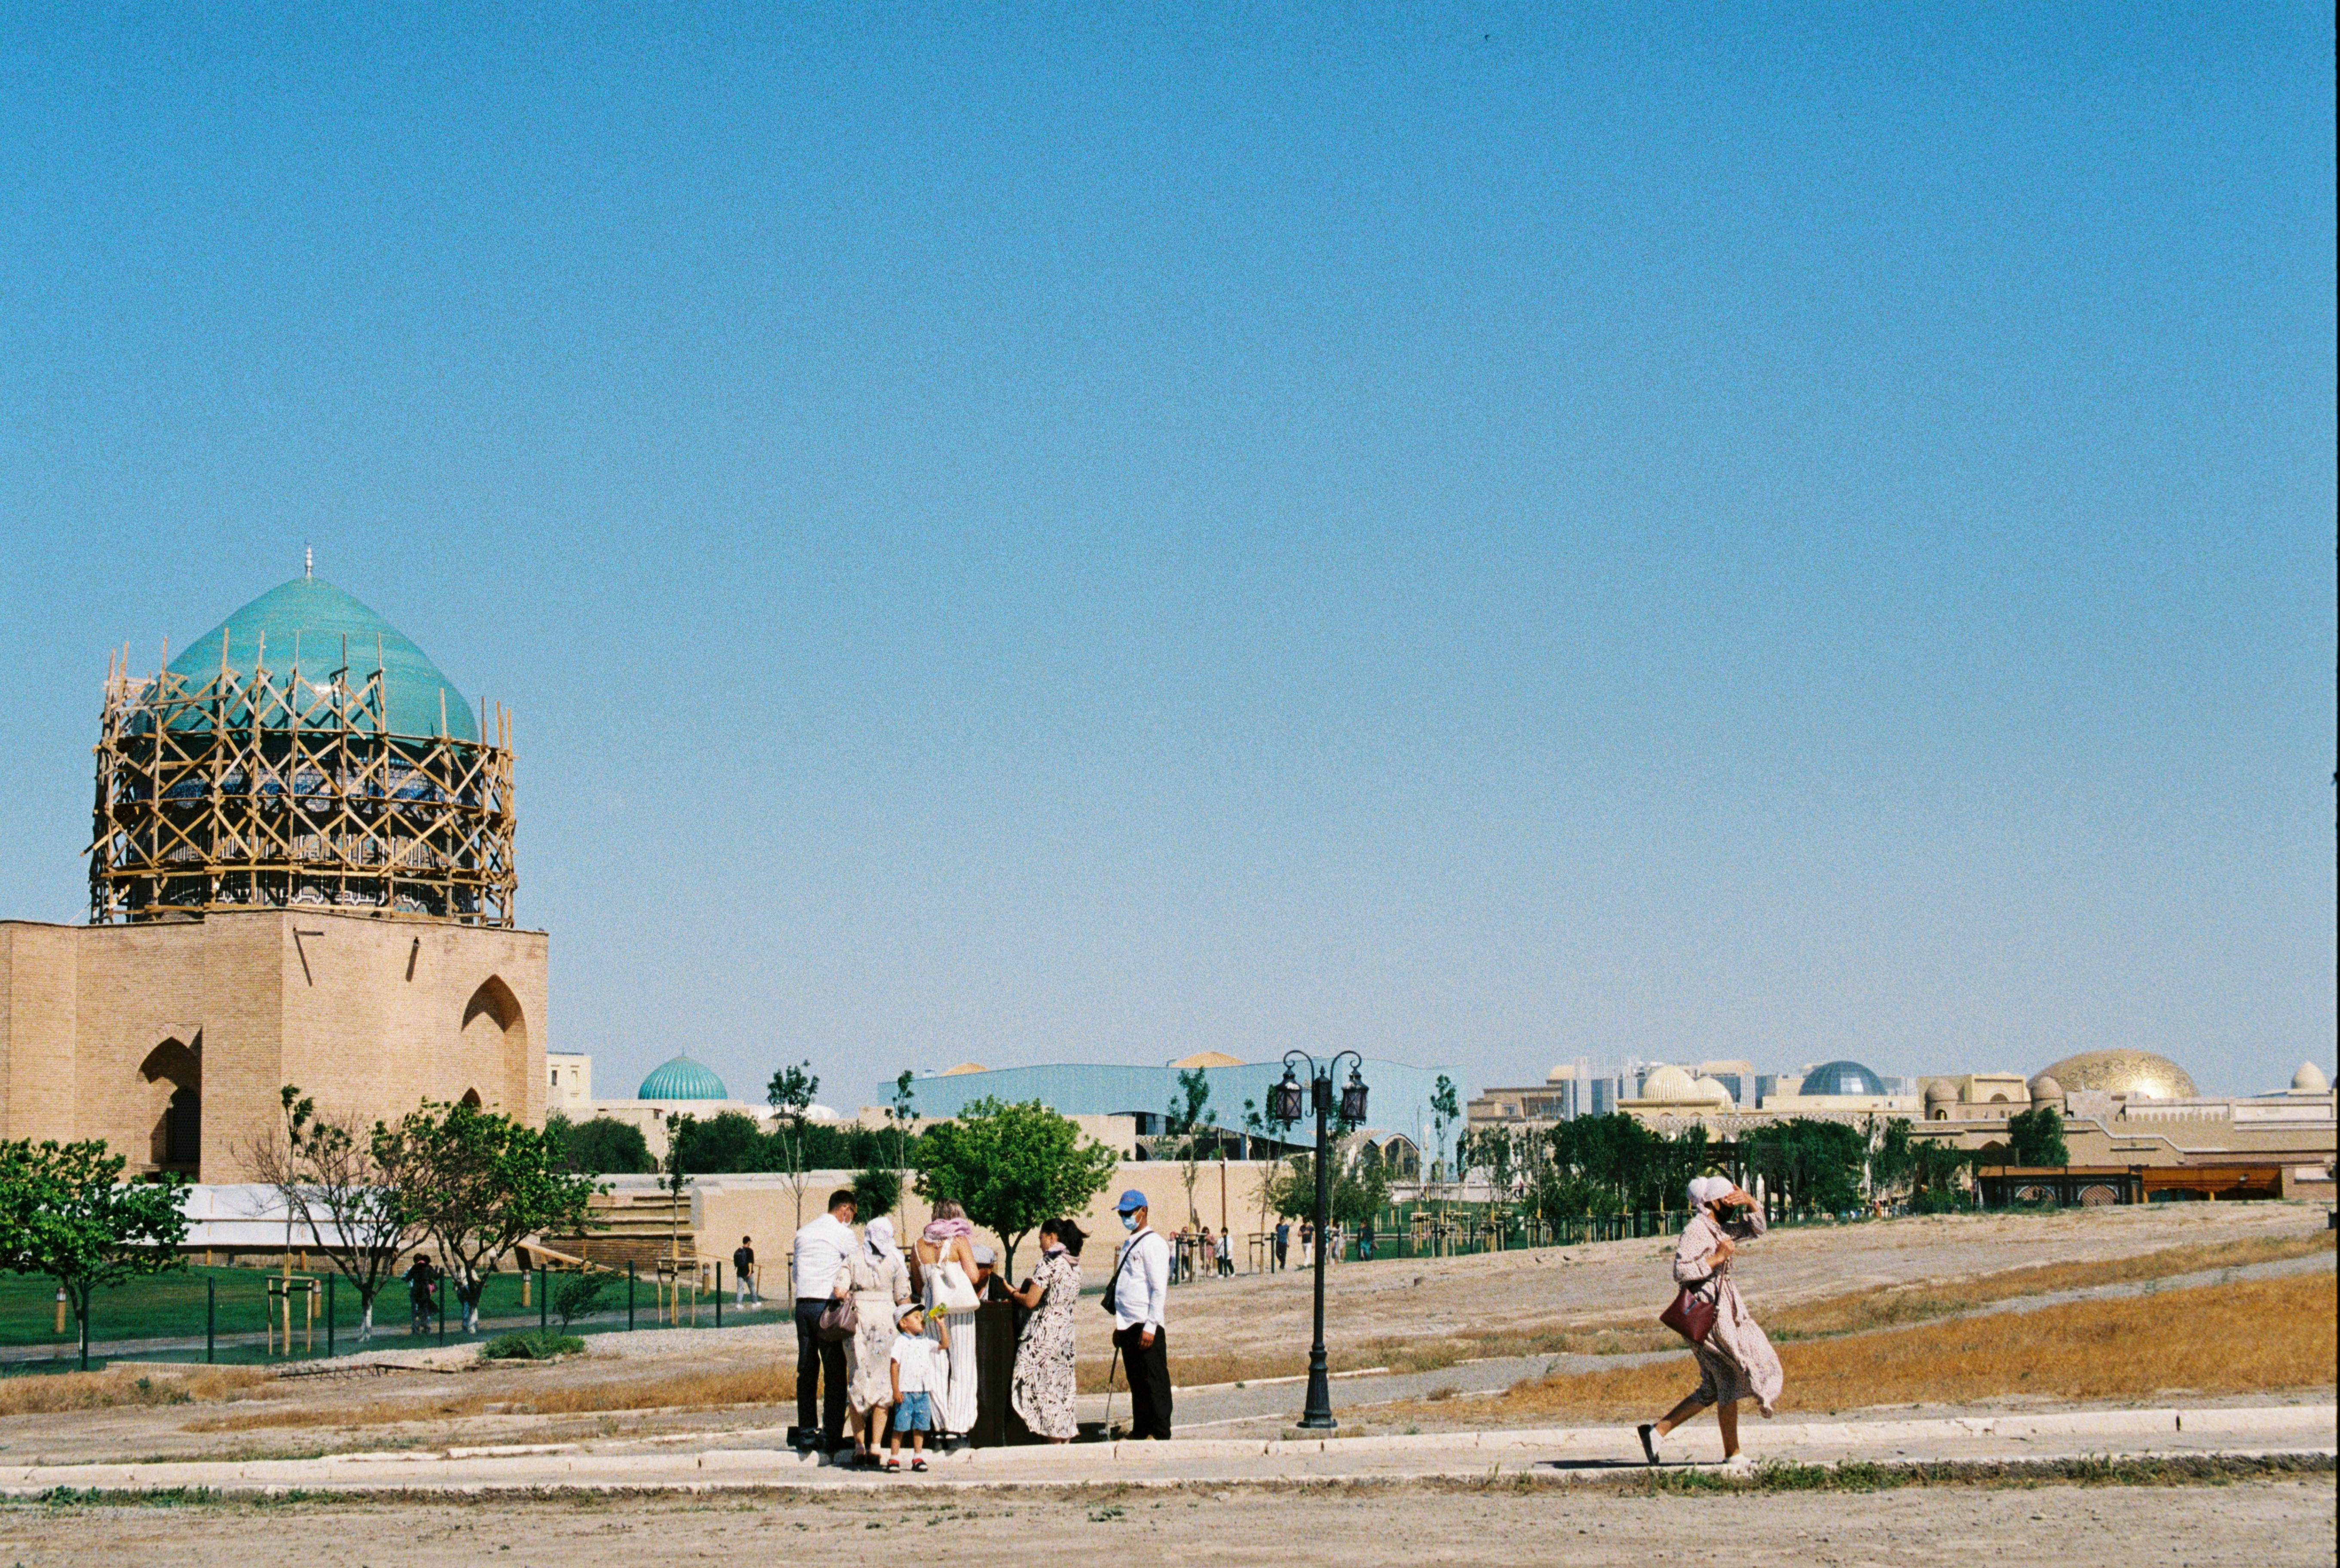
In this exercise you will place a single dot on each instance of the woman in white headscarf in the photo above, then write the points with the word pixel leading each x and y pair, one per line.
pixel 1735 1360
pixel 879 1281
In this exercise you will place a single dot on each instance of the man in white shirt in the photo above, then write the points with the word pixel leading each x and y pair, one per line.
pixel 820 1251
pixel 1141 1302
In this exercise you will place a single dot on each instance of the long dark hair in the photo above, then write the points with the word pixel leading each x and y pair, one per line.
pixel 1066 1231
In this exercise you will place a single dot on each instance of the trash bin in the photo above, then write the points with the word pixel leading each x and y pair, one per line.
pixel 995 1376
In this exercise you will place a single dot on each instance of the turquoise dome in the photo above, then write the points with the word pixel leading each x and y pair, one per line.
pixel 314 622
pixel 1841 1078
pixel 679 1078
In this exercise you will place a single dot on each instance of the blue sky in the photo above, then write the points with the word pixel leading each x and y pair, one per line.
pixel 1477 533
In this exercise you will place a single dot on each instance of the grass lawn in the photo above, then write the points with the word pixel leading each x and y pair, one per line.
pixel 172 1306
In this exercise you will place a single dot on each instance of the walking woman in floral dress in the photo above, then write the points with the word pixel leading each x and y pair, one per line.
pixel 1043 1392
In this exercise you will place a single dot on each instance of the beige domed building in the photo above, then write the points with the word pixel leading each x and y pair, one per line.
pixel 1975 1097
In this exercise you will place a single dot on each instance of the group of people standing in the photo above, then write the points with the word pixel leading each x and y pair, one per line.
pixel 909 1364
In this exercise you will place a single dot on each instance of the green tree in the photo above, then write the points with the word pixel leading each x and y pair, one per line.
pixel 66 1213
pixel 1291 1191
pixel 1609 1164
pixel 1445 1110
pixel 728 1142
pixel 1809 1163
pixel 1934 1175
pixel 1013 1167
pixel 327 1179
pixel 602 1146
pixel 478 1183
pixel 1362 1190
pixel 876 1190
pixel 1188 1115
pixel 2036 1137
pixel 900 1111
pixel 790 1094
pixel 1260 1126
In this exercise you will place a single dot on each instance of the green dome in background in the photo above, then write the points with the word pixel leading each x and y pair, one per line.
pixel 314 622
pixel 679 1078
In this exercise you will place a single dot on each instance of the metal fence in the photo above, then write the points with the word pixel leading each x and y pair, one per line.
pixel 251 1315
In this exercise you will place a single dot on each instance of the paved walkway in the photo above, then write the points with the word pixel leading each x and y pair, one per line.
pixel 1559 1454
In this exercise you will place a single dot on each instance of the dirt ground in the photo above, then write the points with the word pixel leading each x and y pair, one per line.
pixel 1246 1317
pixel 2260 1524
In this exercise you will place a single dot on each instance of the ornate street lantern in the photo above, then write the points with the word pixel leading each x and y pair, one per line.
pixel 1288 1106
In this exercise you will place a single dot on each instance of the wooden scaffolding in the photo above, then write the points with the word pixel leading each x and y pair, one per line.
pixel 271 790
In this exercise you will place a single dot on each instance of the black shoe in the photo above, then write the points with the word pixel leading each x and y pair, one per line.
pixel 1649 1434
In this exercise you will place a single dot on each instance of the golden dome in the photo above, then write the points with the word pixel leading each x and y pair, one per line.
pixel 2139 1074
pixel 1713 1091
pixel 1208 1059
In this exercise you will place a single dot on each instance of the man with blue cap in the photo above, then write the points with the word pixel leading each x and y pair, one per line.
pixel 1138 1297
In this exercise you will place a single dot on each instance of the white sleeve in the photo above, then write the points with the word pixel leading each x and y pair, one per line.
pixel 1158 1281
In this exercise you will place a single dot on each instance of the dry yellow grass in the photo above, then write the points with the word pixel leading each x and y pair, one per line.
pixel 50 1394
pixel 2251 1336
pixel 1889 1305
pixel 750 1386
pixel 1881 1306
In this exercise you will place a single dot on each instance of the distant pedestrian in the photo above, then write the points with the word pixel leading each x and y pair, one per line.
pixel 1283 1240
pixel 1365 1241
pixel 421 1292
pixel 1735 1360
pixel 1226 1259
pixel 1207 1254
pixel 821 1247
pixel 743 1273
pixel 916 1377
pixel 1139 1297
pixel 1308 1244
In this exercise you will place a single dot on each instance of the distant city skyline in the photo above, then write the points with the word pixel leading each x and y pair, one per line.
pixel 1477 535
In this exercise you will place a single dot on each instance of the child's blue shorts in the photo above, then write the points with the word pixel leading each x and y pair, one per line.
pixel 916 1413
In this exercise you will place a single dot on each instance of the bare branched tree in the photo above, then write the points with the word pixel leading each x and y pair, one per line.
pixel 331 1185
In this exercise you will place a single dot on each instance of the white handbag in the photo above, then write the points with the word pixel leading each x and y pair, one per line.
pixel 949 1283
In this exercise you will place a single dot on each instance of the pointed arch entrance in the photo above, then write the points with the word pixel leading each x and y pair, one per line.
pixel 495 1045
pixel 172 1074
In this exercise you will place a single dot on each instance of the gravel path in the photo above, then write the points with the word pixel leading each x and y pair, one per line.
pixel 2257 1525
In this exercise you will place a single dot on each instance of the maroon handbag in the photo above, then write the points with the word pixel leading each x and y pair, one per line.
pixel 1692 1315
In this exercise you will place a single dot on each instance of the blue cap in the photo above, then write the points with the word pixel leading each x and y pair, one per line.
pixel 1131 1202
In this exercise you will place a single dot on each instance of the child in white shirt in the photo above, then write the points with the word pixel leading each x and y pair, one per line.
pixel 918 1370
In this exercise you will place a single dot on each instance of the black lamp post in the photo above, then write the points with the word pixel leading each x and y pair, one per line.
pixel 1319 1412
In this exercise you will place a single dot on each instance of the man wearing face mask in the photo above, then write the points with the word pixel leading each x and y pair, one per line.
pixel 1139 1298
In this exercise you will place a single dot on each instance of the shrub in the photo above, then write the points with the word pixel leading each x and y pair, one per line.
pixel 577 1292
pixel 532 1346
